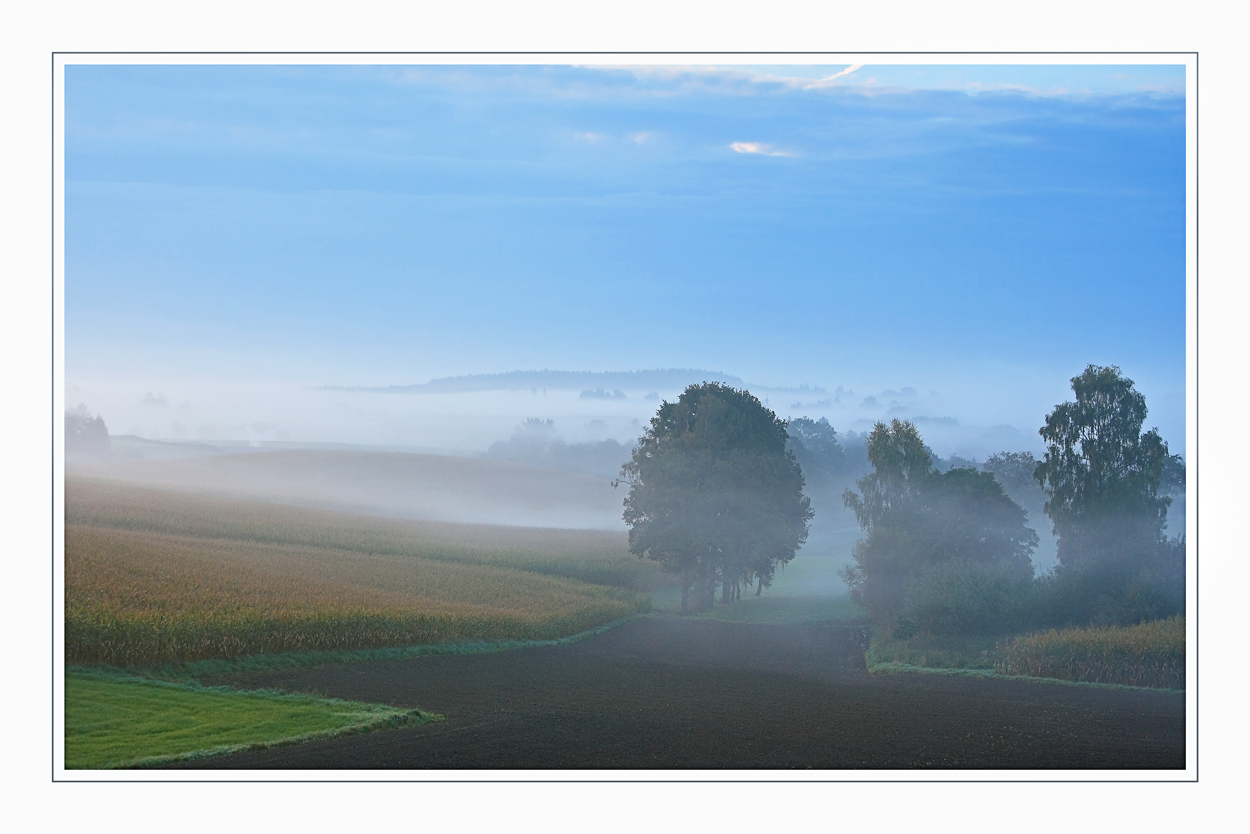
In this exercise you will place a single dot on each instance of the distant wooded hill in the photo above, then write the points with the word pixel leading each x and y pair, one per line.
pixel 672 378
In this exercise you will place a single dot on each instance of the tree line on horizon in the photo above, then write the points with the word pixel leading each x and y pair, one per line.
pixel 718 494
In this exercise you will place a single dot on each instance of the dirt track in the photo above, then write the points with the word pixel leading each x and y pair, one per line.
pixel 671 693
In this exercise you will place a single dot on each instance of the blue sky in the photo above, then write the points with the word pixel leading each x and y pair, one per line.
pixel 982 231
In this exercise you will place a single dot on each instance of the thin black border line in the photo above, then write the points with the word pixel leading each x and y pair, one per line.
pixel 1195 457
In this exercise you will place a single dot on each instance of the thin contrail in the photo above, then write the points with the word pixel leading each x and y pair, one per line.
pixel 836 75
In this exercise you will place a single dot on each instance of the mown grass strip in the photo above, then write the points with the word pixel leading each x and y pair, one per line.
pixel 767 610
pixel 968 652
pixel 115 720
pixel 905 668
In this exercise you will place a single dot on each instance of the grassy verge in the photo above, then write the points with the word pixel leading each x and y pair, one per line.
pixel 113 720
pixel 929 652
pixel 767 610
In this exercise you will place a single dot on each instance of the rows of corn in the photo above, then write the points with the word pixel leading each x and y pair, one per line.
pixel 597 556
pixel 1151 654
pixel 135 596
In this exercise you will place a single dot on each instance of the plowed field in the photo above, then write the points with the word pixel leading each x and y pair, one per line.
pixel 669 693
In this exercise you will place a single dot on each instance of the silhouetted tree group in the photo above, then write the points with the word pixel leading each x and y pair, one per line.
pixel 714 495
pixel 948 552
pixel 945 552
pixel 85 435
pixel 1104 481
pixel 717 495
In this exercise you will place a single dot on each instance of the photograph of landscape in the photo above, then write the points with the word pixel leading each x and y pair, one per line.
pixel 519 417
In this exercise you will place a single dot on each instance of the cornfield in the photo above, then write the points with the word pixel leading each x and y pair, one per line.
pixel 598 556
pixel 138 597
pixel 1150 654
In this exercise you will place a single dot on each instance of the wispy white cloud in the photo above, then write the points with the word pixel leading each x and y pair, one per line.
pixel 761 148
pixel 1058 81
pixel 640 138
pixel 825 82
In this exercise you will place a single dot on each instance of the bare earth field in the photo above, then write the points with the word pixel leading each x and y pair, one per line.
pixel 671 693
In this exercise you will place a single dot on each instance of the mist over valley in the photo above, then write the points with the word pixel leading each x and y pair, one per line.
pixel 661 417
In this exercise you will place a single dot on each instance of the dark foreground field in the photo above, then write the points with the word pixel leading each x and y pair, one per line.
pixel 670 693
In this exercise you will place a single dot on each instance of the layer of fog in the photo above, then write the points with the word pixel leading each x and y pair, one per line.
pixel 540 457
pixel 255 414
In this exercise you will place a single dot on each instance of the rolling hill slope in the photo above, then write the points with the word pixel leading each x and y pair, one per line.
pixel 433 487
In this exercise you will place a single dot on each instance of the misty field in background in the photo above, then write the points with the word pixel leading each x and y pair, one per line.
pixel 157 576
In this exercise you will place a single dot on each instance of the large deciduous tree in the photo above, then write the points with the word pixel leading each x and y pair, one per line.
pixel 943 551
pixel 714 495
pixel 1102 477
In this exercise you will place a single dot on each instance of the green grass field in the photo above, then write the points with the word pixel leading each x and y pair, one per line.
pixel 931 652
pixel 115 721
pixel 767 609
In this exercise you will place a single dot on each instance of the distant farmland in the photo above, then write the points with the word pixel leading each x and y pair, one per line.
pixel 436 487
pixel 155 575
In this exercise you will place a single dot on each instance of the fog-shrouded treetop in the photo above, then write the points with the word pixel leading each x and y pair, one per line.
pixel 86 435
pixel 1103 476
pixel 714 495
pixel 943 552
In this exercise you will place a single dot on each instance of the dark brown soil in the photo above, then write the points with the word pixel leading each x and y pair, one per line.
pixel 672 693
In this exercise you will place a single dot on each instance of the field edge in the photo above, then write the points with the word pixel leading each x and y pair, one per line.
pixel 371 717
pixel 880 668
pixel 192 670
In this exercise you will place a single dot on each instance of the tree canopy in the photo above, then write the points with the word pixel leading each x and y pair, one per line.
pixel 714 494
pixel 1102 476
pixel 927 531
pixel 816 447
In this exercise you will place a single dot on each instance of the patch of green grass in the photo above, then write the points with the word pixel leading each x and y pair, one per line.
pixel 115 720
pixel 930 652
pixel 769 610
